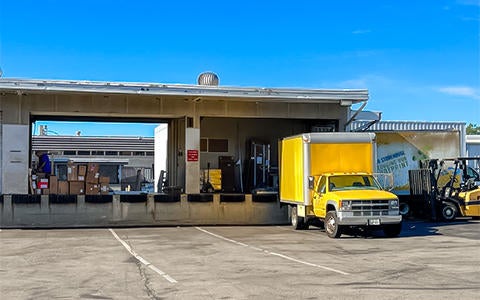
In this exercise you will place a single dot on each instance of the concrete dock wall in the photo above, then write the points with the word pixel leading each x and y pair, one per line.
pixel 53 211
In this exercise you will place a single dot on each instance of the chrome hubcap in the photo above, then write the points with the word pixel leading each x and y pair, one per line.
pixel 330 225
pixel 448 212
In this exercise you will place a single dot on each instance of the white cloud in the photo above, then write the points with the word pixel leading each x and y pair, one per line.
pixel 365 82
pixel 464 91
pixel 469 2
pixel 361 31
pixel 359 83
pixel 469 19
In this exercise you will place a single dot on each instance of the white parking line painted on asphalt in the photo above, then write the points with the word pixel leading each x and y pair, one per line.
pixel 272 253
pixel 141 259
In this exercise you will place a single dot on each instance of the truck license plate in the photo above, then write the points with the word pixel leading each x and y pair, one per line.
pixel 374 222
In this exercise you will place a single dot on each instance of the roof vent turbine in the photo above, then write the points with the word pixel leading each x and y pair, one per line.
pixel 208 78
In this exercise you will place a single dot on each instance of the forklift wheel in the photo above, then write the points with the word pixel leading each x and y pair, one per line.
pixel 449 212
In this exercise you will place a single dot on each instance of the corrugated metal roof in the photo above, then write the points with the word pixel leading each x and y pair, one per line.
pixel 159 89
pixel 409 126
pixel 46 142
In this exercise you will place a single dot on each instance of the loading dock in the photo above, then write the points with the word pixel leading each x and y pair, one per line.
pixel 194 113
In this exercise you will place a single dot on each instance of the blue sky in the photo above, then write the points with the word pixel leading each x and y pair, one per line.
pixel 420 60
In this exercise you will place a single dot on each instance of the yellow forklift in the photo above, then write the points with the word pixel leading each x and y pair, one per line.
pixel 449 187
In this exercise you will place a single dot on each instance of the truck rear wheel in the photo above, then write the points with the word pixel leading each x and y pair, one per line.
pixel 392 230
pixel 449 212
pixel 298 223
pixel 331 225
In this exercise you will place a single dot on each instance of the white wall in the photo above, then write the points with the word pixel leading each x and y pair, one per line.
pixel 15 145
pixel 192 168
pixel 473 150
pixel 1 155
pixel 160 146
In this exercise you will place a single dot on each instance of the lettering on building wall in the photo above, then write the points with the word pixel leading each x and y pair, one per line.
pixel 392 162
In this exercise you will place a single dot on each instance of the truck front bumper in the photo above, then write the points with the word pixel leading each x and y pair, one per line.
pixel 344 219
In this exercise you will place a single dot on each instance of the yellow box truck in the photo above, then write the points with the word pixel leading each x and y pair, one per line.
pixel 330 177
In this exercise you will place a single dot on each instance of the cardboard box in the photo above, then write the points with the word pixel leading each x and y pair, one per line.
pixel 45 191
pixel 72 172
pixel 43 183
pixel 92 189
pixel 104 188
pixel 82 170
pixel 92 173
pixel 63 188
pixel 53 184
pixel 40 175
pixel 76 187
pixel 104 179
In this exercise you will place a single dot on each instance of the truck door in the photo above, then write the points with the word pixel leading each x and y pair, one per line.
pixel 319 207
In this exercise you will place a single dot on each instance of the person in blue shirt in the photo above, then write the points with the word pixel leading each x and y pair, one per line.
pixel 44 165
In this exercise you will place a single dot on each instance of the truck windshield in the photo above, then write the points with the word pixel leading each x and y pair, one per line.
pixel 353 182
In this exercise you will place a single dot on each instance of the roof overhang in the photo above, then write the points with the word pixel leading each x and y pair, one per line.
pixel 344 97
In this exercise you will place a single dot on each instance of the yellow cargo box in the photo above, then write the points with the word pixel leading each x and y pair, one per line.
pixel 313 154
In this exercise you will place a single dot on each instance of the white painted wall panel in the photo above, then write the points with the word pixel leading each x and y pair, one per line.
pixel 160 146
pixel 15 145
pixel 1 154
pixel 192 176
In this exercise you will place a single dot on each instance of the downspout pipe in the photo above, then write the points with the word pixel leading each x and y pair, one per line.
pixel 355 114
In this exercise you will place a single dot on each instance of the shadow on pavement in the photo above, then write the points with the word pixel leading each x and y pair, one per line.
pixel 410 228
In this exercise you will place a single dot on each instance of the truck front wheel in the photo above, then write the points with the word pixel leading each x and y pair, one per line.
pixel 331 225
pixel 298 223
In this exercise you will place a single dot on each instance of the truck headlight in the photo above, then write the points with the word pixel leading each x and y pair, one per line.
pixel 346 205
pixel 393 204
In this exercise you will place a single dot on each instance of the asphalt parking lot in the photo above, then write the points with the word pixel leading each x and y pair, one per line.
pixel 427 261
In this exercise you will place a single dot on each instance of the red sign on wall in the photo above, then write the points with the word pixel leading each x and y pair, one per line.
pixel 192 155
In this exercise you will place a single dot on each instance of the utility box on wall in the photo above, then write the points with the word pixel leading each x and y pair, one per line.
pixel 15 155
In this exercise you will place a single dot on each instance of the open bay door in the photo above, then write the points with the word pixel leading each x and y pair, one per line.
pixel 176 154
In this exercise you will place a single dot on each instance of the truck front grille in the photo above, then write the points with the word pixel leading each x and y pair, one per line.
pixel 370 208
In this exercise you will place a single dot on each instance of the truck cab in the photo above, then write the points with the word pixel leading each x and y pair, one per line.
pixel 354 199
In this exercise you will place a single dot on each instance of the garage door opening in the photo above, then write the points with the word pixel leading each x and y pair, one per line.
pixel 100 156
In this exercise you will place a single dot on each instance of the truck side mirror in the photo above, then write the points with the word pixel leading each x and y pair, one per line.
pixel 311 182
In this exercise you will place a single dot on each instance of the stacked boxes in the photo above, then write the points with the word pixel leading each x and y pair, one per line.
pixel 63 188
pixel 92 173
pixel 92 188
pixel 76 187
pixel 72 171
pixel 53 184
pixel 104 185
pixel 43 185
pixel 81 180
pixel 82 172
pixel 91 180
pixel 76 179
